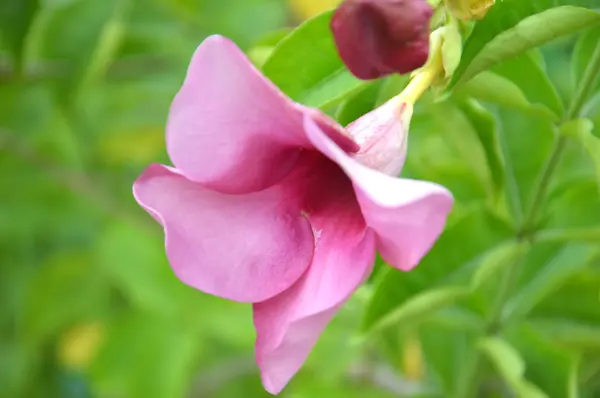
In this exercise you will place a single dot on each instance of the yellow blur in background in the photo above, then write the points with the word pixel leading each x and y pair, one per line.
pixel 309 8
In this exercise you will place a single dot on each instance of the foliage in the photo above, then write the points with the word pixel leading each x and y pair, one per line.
pixel 506 303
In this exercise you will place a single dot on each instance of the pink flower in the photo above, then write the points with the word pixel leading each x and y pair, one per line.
pixel 272 203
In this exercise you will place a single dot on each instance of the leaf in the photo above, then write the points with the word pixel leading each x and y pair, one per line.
pixel 443 139
pixel 419 307
pixel 589 235
pixel 559 212
pixel 333 352
pixel 133 260
pixel 261 50
pixel 446 352
pixel 144 357
pixel 87 34
pixel 514 26
pixel 494 88
pixel 484 125
pixel 66 290
pixel 305 65
pixel 529 76
pixel 566 262
pixel 510 365
pixel 449 256
pixel 575 299
pixel 581 131
pixel 16 18
pixel 455 318
pixel 582 53
pixel 26 109
pixel 575 335
pixel 391 86
pixel 500 257
pixel 107 44
pixel 526 144
pixel 550 367
pixel 358 105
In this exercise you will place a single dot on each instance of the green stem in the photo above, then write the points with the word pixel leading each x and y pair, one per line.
pixel 585 87
pixel 582 94
pixel 542 188
pixel 470 376
pixel 509 278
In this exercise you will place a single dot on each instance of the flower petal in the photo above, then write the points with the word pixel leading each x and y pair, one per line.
pixel 382 135
pixel 229 128
pixel 289 325
pixel 407 215
pixel 246 248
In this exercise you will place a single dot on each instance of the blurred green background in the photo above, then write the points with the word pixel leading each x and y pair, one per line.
pixel 89 305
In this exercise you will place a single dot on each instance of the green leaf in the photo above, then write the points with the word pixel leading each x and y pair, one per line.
pixel 589 235
pixel 449 256
pixel 443 138
pixel 526 144
pixel 391 87
pixel 66 290
pixel 559 212
pixel 513 27
pixel 484 125
pixel 582 54
pixel 358 105
pixel 134 262
pixel 305 65
pixel 575 299
pixel 510 365
pixel 455 318
pixel 16 18
pixel 581 130
pixel 262 49
pixel 419 307
pixel 555 272
pixel 531 78
pixel 446 352
pixel 26 109
pixel 88 35
pixel 572 334
pixel 550 367
pixel 504 255
pixel 158 362
pixel 496 89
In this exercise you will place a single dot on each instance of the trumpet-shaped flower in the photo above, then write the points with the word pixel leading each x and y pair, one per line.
pixel 273 203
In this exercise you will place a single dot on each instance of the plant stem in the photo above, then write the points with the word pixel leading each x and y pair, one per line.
pixel 581 96
pixel 542 188
pixel 586 85
pixel 420 83
pixel 494 323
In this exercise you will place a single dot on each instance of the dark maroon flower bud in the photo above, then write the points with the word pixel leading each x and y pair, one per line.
pixel 375 38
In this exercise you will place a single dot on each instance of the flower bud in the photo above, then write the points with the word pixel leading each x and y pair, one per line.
pixel 375 38
pixel 467 10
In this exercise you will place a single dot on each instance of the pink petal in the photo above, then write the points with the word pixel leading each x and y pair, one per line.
pixel 407 215
pixel 231 129
pixel 246 248
pixel 289 324
pixel 382 135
